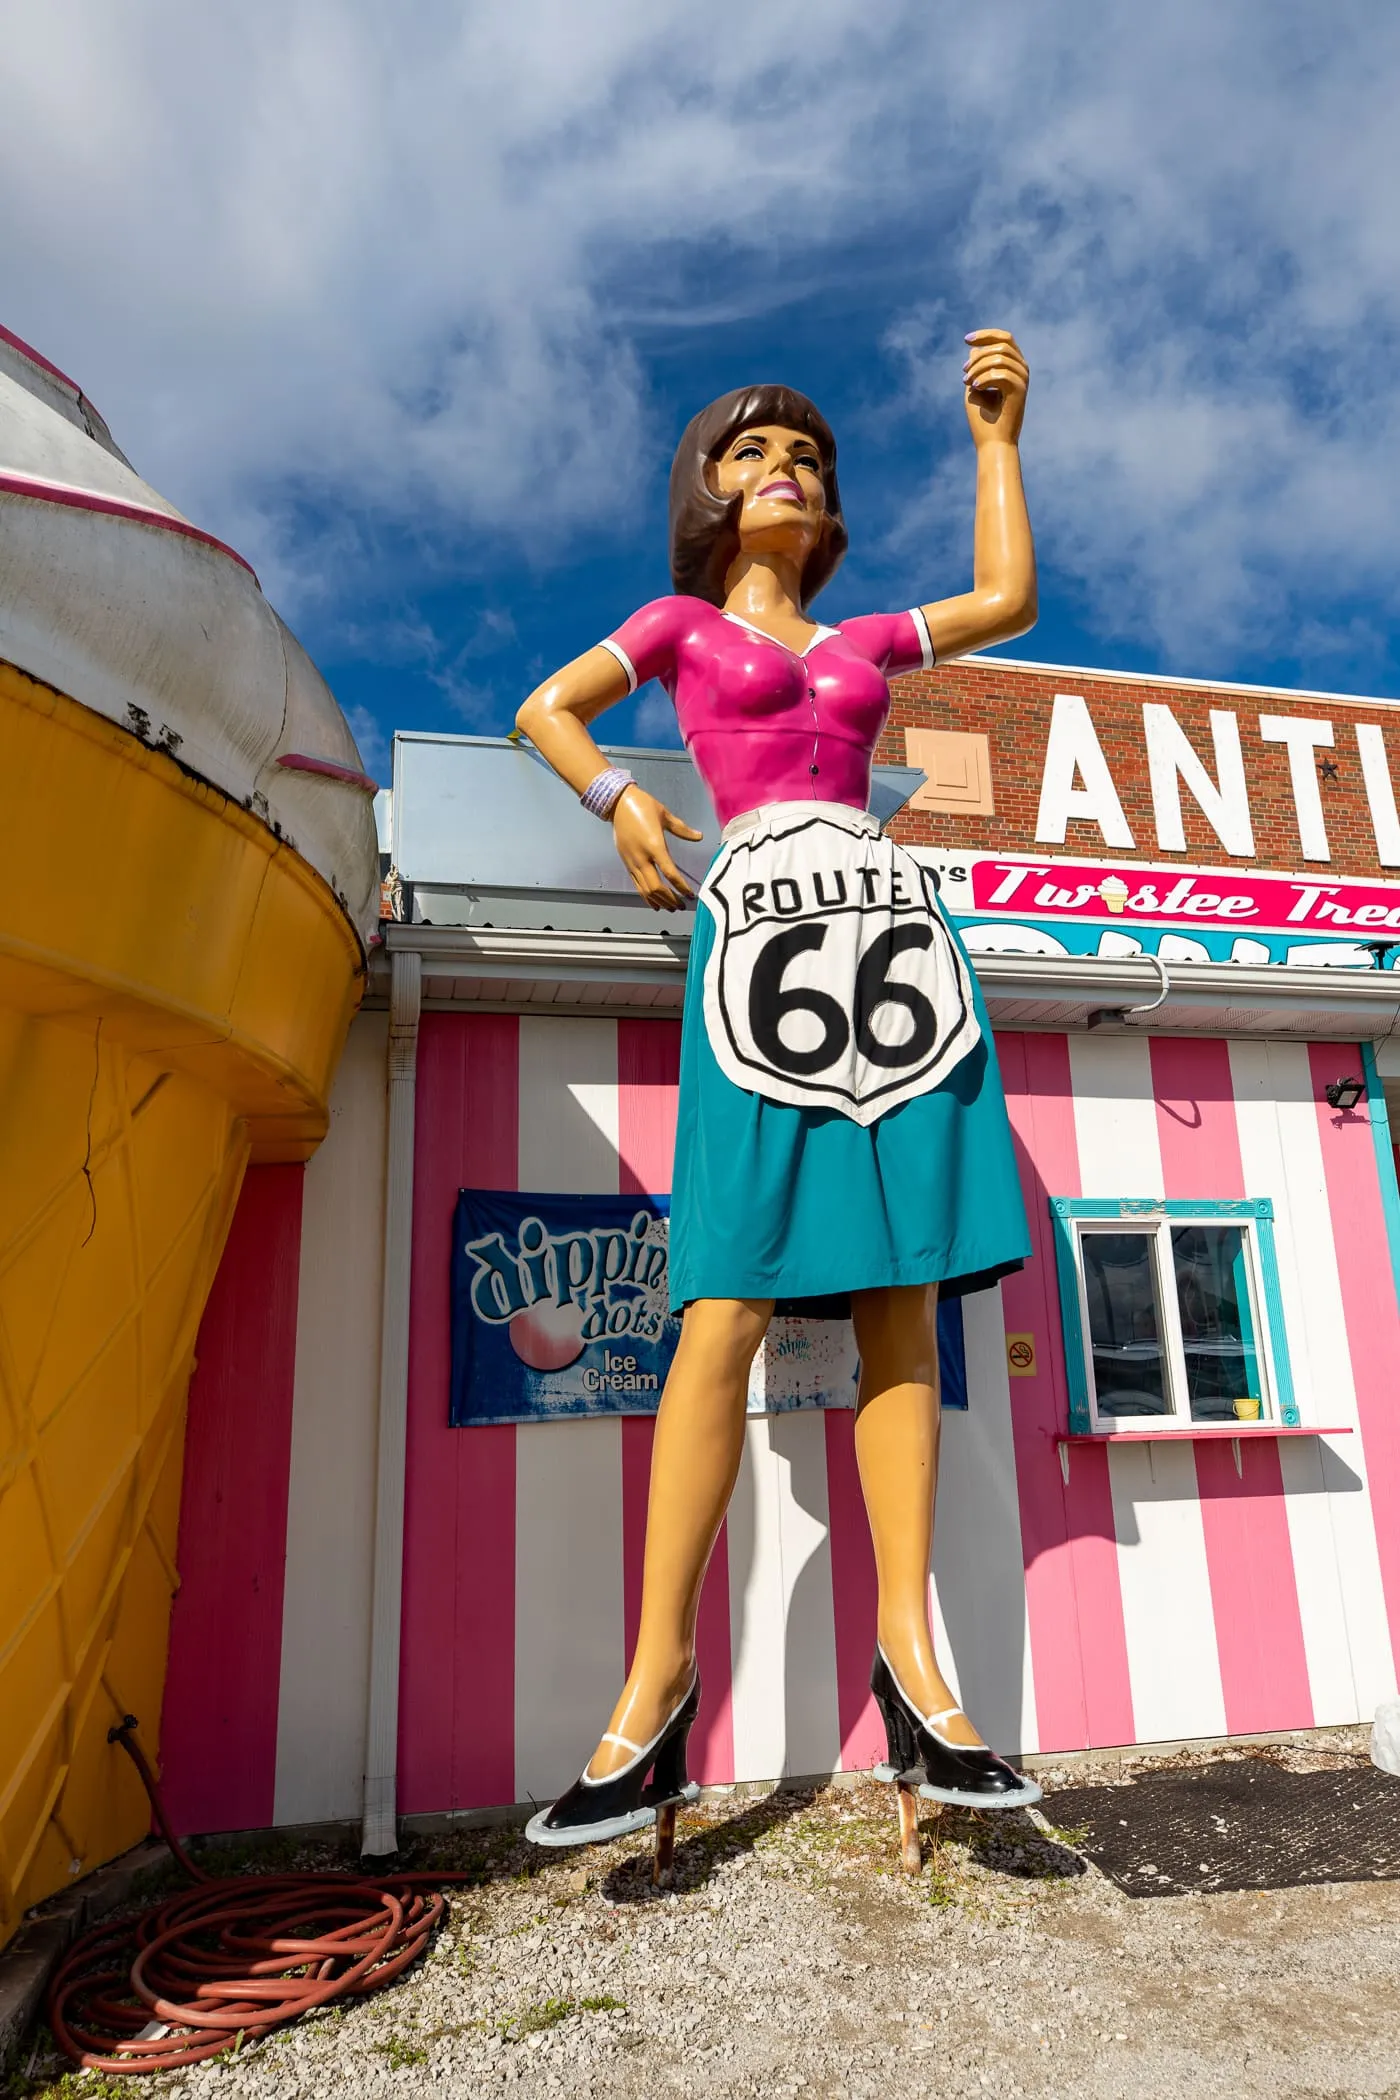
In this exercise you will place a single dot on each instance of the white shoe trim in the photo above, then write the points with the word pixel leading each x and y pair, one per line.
pixel 646 1750
pixel 1025 1796
pixel 929 1721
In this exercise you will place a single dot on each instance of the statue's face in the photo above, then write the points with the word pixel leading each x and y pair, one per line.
pixel 779 474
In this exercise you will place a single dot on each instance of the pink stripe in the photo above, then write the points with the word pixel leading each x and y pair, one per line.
pixel 648 1061
pixel 854 1597
pixel 36 357
pixel 648 1075
pixel 457 1685
pixel 329 769
pixel 1074 1602
pixel 1249 1553
pixel 37 490
pixel 1362 1242
pixel 219 1729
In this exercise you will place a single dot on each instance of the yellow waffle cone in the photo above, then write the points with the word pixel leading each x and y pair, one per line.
pixel 175 988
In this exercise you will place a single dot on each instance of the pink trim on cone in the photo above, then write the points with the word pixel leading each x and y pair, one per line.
pixel 329 768
pixel 36 357
pixel 36 489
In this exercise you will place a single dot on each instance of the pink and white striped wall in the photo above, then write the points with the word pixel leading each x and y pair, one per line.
pixel 1155 1594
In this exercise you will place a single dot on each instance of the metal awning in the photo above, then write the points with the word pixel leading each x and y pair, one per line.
pixel 595 970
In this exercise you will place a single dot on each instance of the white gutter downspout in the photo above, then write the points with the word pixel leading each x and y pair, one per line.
pixel 379 1836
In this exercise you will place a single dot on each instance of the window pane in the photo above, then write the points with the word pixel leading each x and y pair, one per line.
pixel 1125 1326
pixel 1223 1377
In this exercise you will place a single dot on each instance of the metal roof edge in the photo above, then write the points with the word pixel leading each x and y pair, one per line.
pixel 530 967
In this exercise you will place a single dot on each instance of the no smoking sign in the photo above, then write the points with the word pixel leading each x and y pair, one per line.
pixel 1020 1355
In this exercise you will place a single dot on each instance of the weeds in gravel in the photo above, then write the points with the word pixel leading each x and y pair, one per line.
pixel 538 2019
pixel 73 2085
pixel 1075 1835
pixel 402 2054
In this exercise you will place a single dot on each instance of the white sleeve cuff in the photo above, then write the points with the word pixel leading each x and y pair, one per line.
pixel 616 649
pixel 916 614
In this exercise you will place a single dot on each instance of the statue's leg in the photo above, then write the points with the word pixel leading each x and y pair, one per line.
pixel 897 1424
pixel 694 1464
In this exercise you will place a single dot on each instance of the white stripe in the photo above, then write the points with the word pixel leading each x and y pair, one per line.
pixel 616 649
pixel 920 619
pixel 979 1577
pixel 1115 1116
pixel 1168 1615
pixel 330 1509
pixel 569 1661
pixel 782 1624
pixel 1340 1596
pixel 568 1106
pixel 757 1629
pixel 797 1442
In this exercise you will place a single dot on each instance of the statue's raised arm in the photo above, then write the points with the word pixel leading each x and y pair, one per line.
pixel 1002 601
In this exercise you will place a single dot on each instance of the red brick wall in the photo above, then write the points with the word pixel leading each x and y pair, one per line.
pixel 1013 707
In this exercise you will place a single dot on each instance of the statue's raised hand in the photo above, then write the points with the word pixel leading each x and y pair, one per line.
pixel 996 377
pixel 640 824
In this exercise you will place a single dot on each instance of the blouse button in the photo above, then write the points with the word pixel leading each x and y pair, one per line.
pixel 811 769
pixel 811 692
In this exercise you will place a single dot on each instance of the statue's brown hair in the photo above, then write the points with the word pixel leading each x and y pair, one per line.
pixel 704 526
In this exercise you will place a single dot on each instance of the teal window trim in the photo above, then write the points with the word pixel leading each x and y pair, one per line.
pixel 1385 1157
pixel 1257 1210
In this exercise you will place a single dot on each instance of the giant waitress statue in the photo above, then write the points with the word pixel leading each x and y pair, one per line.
pixel 841 1131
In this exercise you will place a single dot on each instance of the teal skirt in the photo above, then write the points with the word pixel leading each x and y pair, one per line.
pixel 799 1204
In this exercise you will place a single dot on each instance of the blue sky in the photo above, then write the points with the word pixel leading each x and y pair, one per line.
pixel 411 304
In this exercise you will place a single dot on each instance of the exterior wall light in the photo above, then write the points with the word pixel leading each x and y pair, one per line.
pixel 1345 1093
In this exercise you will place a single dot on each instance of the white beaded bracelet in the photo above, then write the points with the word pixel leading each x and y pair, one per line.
pixel 605 791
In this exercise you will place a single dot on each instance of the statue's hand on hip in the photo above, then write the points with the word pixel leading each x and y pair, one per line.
pixel 640 824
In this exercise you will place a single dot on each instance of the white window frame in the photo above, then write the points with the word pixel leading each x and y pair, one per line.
pixel 1158 1229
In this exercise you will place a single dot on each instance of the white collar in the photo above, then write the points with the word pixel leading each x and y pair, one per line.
pixel 822 634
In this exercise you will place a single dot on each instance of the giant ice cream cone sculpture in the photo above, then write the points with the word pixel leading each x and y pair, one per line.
pixel 189 868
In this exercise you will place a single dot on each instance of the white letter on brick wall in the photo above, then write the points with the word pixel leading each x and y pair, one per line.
pixel 1380 792
pixel 1302 738
pixel 1171 759
pixel 1074 748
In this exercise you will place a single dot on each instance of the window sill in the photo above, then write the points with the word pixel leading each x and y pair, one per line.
pixel 1194 1433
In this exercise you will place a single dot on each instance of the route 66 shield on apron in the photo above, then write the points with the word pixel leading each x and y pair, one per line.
pixel 834 981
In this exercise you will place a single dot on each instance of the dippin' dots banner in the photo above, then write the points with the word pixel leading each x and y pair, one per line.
pixel 560 1308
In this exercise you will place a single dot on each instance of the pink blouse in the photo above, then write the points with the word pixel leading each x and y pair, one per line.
pixel 762 723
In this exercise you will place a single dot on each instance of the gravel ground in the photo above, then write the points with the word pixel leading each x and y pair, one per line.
pixel 793 1957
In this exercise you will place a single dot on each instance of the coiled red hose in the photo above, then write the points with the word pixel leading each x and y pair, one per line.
pixel 229 1960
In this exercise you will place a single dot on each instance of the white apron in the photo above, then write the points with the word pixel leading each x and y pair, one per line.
pixel 834 981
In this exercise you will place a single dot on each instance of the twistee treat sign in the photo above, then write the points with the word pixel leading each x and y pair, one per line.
pixel 834 982
pixel 1225 898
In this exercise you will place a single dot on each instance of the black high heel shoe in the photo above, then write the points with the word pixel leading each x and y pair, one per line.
pixel 594 1810
pixel 964 1775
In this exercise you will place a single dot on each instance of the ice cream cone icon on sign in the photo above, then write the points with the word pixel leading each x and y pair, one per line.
pixel 1114 892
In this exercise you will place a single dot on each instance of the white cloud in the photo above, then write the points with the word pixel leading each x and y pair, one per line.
pixel 1195 235
pixel 353 284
